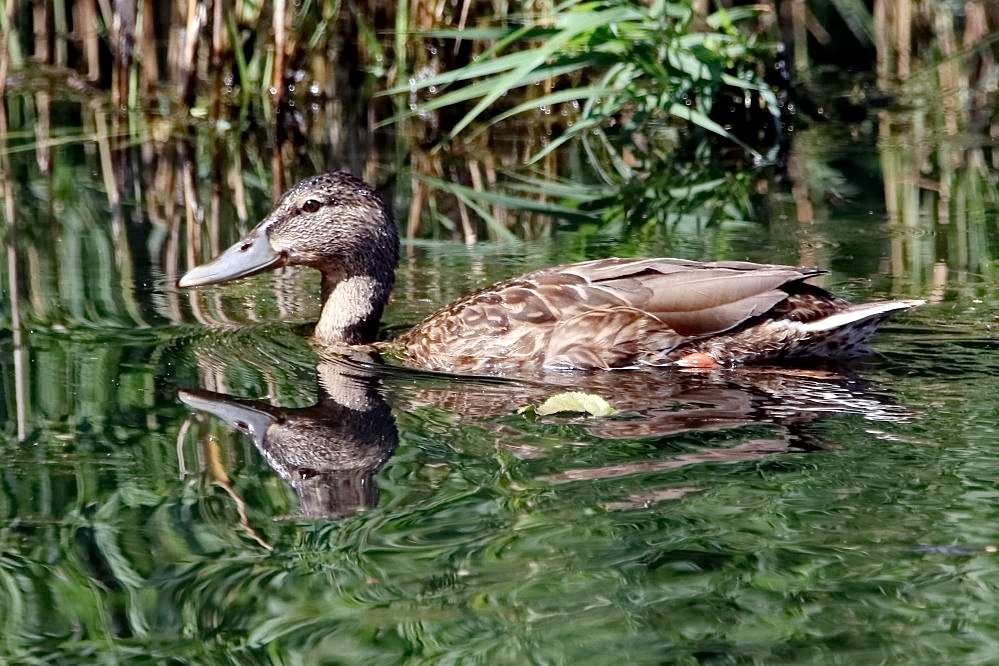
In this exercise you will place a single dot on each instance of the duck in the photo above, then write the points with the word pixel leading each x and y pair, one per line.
pixel 603 314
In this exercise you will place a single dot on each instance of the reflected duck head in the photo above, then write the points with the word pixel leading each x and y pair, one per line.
pixel 336 223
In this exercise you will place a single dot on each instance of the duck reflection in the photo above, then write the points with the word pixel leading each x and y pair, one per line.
pixel 328 453
pixel 666 401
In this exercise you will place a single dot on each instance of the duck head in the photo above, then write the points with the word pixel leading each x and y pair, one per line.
pixel 333 222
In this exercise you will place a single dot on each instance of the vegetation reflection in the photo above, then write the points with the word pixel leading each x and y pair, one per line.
pixel 774 516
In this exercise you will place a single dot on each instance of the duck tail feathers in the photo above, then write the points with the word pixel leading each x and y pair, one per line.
pixel 864 314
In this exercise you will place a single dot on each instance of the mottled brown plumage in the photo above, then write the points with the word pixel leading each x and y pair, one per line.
pixel 603 314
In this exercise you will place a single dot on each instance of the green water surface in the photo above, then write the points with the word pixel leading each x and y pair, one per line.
pixel 739 516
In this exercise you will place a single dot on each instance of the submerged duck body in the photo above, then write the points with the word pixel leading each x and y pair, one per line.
pixel 602 314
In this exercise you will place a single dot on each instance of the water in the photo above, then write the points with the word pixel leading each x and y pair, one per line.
pixel 739 516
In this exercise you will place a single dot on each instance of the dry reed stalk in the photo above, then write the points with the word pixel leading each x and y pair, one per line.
pixel 43 131
pixel 475 174
pixel 187 70
pixel 550 168
pixel 237 188
pixel 19 352
pixel 278 173
pixel 280 39
pixel 5 58
pixel 193 212
pixel 976 28
pixel 881 42
pixel 467 229
pixel 174 47
pixel 418 194
pixel 219 41
pixel 799 29
pixel 103 139
pixel 146 35
pixel 167 185
pixel 975 23
pixel 215 209
pixel 122 41
pixel 219 51
pixel 903 38
pixel 85 26
pixel 40 21
pixel 60 32
pixel 948 71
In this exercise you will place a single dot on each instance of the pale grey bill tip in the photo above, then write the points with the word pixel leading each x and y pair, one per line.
pixel 249 256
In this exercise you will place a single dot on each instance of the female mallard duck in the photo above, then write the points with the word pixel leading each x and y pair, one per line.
pixel 608 313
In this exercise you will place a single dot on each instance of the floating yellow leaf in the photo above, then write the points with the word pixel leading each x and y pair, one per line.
pixel 575 401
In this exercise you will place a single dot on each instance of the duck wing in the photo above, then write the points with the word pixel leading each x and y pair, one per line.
pixel 692 298
pixel 597 314
pixel 653 306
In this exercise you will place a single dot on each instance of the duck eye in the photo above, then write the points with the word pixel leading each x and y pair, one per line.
pixel 311 206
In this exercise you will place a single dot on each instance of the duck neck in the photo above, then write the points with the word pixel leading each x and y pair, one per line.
pixel 352 308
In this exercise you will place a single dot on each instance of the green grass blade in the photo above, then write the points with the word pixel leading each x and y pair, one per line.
pixel 701 120
pixel 580 23
pixel 478 89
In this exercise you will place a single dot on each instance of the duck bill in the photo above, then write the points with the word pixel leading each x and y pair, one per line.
pixel 249 256
pixel 245 417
